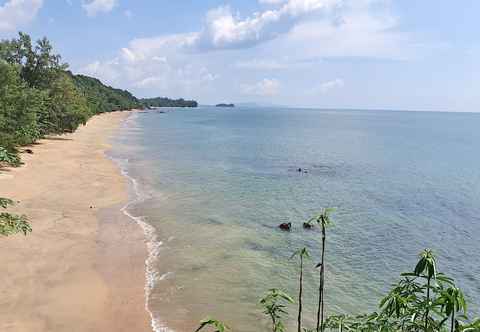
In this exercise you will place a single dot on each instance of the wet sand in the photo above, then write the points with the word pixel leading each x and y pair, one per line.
pixel 82 268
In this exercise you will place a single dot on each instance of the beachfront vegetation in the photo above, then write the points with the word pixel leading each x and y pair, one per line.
pixel 38 96
pixel 422 300
pixel 11 223
pixel 167 102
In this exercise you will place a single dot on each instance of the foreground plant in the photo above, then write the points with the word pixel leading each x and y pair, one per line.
pixel 216 325
pixel 323 219
pixel 10 223
pixel 302 254
pixel 423 300
pixel 274 306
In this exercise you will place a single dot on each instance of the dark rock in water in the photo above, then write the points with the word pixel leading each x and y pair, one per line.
pixel 307 225
pixel 285 226
pixel 29 151
pixel 299 170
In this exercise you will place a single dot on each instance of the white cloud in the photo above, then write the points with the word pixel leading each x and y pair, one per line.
pixel 265 88
pixel 95 7
pixel 325 87
pixel 303 32
pixel 15 13
pixel 223 30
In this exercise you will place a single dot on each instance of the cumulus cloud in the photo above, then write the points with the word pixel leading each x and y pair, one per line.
pixel 15 13
pixel 265 88
pixel 303 32
pixel 94 7
pixel 223 30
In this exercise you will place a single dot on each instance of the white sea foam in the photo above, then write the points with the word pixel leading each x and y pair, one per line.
pixel 153 243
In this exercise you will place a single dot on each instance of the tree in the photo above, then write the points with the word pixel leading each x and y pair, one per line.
pixel 19 105
pixel 323 219
pixel 302 254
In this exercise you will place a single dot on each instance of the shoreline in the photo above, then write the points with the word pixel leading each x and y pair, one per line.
pixel 83 266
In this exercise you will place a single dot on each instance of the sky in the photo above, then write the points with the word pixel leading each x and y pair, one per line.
pixel 361 54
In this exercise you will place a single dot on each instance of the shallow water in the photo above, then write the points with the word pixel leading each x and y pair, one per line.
pixel 215 183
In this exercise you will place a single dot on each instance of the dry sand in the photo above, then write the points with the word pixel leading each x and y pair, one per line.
pixel 82 268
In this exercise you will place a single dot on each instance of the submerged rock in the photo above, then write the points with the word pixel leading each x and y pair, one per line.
pixel 307 225
pixel 285 226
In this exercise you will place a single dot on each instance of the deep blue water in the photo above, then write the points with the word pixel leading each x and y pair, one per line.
pixel 219 181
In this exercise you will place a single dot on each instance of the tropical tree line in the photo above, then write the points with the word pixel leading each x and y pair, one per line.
pixel 38 96
pixel 423 299
pixel 167 102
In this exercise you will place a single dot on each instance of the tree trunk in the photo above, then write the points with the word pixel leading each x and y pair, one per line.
pixel 300 296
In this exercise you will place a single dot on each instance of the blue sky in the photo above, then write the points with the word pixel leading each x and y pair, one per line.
pixel 383 54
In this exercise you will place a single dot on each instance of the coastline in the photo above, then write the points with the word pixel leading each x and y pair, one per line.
pixel 82 268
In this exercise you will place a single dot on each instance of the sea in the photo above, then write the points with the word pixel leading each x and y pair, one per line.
pixel 210 186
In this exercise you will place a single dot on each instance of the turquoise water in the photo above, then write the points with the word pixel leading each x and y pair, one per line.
pixel 215 183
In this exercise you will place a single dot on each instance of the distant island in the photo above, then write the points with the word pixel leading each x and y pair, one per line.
pixel 225 105
pixel 167 102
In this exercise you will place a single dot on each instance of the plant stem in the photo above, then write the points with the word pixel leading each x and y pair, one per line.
pixel 452 328
pixel 300 295
pixel 428 304
pixel 321 299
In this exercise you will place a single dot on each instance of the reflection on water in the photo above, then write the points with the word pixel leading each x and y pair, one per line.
pixel 218 182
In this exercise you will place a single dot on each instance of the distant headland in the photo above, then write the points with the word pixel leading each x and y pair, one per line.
pixel 225 105
pixel 167 102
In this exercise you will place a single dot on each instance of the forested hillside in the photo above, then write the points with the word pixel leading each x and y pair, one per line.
pixel 38 96
pixel 167 102
pixel 103 98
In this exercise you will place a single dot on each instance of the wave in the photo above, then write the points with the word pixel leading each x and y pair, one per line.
pixel 151 238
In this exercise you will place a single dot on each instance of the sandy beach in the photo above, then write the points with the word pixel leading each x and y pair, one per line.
pixel 82 267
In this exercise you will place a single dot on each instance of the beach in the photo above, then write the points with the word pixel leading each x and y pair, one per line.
pixel 82 268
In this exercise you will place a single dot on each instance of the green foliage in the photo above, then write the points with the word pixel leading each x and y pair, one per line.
pixel 166 102
pixel 274 306
pixel 216 325
pixel 101 98
pixel 9 158
pixel 323 218
pixel 10 223
pixel 65 109
pixel 421 301
pixel 19 105
pixel 39 97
